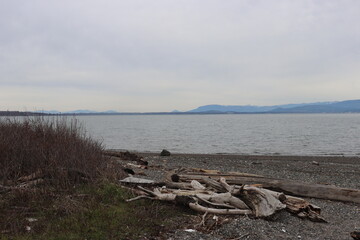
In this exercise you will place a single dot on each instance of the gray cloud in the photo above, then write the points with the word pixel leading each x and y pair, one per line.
pixel 160 55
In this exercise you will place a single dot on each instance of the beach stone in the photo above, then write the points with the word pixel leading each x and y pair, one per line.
pixel 315 163
pixel 165 153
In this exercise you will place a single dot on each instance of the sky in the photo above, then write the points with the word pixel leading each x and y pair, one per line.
pixel 162 55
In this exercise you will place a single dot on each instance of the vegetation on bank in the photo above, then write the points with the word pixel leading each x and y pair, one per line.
pixel 78 197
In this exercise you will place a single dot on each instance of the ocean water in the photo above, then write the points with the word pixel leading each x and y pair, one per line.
pixel 283 134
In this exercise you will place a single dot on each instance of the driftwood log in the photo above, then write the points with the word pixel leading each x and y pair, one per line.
pixel 290 187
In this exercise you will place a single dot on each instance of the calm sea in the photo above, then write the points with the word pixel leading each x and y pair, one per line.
pixel 284 134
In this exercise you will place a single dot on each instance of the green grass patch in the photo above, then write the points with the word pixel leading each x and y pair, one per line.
pixel 100 212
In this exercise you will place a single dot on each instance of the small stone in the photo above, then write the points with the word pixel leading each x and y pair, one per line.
pixel 31 219
pixel 165 153
pixel 315 163
pixel 256 163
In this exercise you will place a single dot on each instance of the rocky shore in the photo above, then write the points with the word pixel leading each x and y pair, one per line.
pixel 342 218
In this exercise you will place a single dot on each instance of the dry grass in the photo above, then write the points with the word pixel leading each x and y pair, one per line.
pixel 55 148
pixel 59 153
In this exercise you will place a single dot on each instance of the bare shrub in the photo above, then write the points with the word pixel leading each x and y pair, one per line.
pixel 52 148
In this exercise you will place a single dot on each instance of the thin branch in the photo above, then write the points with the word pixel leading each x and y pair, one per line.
pixel 139 197
pixel 215 204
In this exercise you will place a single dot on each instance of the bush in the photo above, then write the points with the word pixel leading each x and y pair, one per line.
pixel 54 147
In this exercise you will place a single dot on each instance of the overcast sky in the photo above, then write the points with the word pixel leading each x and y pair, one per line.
pixel 161 55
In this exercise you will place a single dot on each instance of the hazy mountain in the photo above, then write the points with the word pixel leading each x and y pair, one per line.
pixel 318 107
pixel 48 112
pixel 81 111
pixel 336 107
pixel 251 108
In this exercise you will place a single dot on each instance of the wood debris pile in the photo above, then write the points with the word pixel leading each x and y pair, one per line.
pixel 212 192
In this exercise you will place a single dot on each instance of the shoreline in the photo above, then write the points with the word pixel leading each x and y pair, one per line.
pixel 340 171
pixel 351 159
pixel 343 171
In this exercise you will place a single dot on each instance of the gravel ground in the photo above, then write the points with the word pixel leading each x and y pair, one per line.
pixel 342 218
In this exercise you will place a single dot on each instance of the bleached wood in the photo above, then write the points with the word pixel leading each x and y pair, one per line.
pixel 224 198
pixel 261 202
pixel 291 187
pixel 197 207
pixel 136 180
pixel 223 205
pixel 196 185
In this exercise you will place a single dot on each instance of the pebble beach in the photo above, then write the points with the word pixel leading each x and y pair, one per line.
pixel 342 217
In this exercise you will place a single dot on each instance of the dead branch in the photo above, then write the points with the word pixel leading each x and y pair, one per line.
pixel 224 198
pixel 35 175
pixel 197 207
pixel 222 205
pixel 139 197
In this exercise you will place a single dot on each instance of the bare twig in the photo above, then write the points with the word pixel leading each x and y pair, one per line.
pixel 139 197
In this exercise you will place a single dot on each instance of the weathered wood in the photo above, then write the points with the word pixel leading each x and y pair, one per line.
pixel 221 205
pixel 31 183
pixel 235 200
pixel 156 194
pixel 279 195
pixel 197 207
pixel 178 185
pixel 303 209
pixel 212 183
pixel 262 203
pixel 136 180
pixel 224 198
pixel 322 191
pixel 33 176
pixel 196 185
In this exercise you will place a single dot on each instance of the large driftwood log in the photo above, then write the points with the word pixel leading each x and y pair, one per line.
pixel 322 191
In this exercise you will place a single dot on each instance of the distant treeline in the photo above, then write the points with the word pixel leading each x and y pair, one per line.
pixel 18 113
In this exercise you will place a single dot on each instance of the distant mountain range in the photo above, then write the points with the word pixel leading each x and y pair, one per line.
pixel 349 106
pixel 319 107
